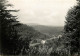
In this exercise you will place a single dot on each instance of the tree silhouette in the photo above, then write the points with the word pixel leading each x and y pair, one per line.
pixel 72 29
pixel 8 34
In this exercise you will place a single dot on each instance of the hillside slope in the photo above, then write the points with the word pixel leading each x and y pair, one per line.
pixel 29 32
pixel 48 30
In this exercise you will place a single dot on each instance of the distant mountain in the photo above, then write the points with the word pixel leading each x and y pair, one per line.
pixel 48 30
pixel 32 24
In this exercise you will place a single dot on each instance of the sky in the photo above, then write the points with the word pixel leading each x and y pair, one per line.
pixel 44 12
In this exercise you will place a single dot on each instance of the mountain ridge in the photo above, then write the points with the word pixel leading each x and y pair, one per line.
pixel 48 30
pixel 35 24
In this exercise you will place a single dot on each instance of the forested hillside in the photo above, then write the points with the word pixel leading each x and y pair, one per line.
pixel 49 30
pixel 30 32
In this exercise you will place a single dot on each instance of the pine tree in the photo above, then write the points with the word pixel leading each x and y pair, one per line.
pixel 8 34
pixel 72 29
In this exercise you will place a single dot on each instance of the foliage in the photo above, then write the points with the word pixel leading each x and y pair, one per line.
pixel 13 37
pixel 8 36
pixel 72 29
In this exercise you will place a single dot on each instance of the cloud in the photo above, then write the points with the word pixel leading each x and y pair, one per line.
pixel 45 12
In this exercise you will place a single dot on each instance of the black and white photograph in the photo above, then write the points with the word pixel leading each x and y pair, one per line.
pixel 39 27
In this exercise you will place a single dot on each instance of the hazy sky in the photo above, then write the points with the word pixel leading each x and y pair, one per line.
pixel 45 12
